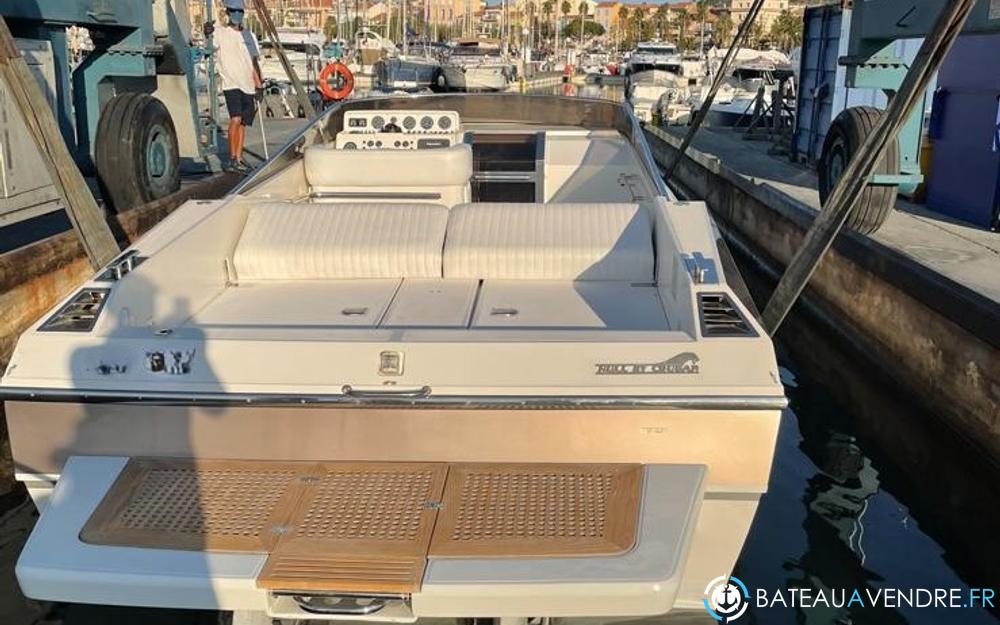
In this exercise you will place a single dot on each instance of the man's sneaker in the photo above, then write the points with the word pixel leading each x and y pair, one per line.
pixel 233 167
pixel 243 167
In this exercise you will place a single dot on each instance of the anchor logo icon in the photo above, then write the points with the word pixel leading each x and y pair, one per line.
pixel 725 602
pixel 726 598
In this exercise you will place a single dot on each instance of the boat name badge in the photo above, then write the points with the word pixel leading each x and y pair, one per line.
pixel 681 364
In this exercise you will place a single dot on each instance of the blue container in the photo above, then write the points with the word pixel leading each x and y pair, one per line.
pixel 965 167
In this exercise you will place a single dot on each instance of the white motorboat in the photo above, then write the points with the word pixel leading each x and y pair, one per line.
pixel 304 49
pixel 465 357
pixel 369 48
pixel 737 98
pixel 754 74
pixel 305 58
pixel 476 65
pixel 407 72
pixel 659 96
pixel 663 56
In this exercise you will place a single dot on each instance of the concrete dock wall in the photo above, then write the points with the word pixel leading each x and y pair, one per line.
pixel 937 339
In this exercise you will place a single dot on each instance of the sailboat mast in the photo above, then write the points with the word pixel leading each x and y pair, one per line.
pixel 402 11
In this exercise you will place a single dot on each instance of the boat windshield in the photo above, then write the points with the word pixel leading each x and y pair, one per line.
pixel 474 51
pixel 673 68
pixel 664 48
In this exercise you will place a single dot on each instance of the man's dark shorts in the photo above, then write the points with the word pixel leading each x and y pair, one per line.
pixel 241 105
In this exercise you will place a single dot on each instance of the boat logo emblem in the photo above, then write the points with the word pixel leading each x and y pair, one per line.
pixel 685 363
pixel 726 598
pixel 390 363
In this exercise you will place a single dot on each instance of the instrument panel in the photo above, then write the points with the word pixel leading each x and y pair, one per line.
pixel 399 130
pixel 405 122
pixel 393 141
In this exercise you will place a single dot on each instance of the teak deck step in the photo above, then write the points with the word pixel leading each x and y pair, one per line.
pixel 368 527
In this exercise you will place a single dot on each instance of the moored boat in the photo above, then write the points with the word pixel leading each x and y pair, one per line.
pixel 411 72
pixel 476 65
pixel 467 357
pixel 659 96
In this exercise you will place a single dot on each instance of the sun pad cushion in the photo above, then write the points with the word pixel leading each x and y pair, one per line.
pixel 549 242
pixel 284 241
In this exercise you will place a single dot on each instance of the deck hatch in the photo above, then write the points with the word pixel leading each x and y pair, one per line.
pixel 720 317
pixel 368 527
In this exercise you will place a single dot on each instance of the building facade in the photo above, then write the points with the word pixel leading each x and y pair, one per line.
pixel 769 12
pixel 606 14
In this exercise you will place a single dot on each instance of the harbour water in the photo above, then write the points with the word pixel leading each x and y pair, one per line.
pixel 845 509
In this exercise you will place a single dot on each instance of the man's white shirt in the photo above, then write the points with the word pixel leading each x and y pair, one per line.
pixel 233 59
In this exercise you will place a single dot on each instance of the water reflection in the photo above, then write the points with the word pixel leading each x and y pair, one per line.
pixel 828 522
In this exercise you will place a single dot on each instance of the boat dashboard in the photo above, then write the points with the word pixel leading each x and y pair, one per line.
pixel 399 130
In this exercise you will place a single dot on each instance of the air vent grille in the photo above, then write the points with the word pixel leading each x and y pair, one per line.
pixel 79 314
pixel 720 317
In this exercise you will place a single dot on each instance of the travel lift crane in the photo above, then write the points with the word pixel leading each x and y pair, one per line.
pixel 876 24
pixel 850 183
pixel 872 63
pixel 128 112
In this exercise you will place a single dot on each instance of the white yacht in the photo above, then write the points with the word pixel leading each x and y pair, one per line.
pixel 660 82
pixel 754 74
pixel 653 55
pixel 476 65
pixel 306 59
pixel 443 356
pixel 659 97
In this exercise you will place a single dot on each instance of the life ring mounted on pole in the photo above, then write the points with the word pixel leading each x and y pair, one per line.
pixel 341 85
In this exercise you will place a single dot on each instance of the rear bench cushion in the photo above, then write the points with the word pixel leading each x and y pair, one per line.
pixel 284 241
pixel 328 168
pixel 549 242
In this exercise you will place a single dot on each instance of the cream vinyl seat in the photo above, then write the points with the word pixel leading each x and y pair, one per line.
pixel 577 242
pixel 285 241
pixel 436 176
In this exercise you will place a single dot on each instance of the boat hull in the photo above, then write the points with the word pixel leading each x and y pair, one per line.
pixel 406 75
pixel 474 78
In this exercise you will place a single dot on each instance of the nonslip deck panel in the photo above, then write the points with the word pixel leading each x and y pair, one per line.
pixel 368 526
pixel 330 572
pixel 525 510
pixel 197 505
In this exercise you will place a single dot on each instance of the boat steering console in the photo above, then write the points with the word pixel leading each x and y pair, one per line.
pixel 399 130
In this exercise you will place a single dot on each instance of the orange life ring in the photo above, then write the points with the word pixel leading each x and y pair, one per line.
pixel 346 81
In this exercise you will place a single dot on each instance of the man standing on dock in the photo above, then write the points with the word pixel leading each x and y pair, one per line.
pixel 241 79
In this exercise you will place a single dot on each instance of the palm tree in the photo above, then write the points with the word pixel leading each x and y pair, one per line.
pixel 583 17
pixel 701 12
pixel 661 17
pixel 723 31
pixel 786 31
pixel 756 35
pixel 547 11
pixel 638 20
pixel 682 29
pixel 566 8
pixel 622 21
